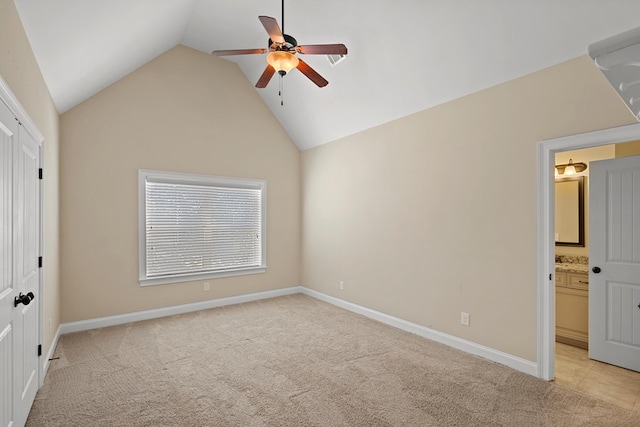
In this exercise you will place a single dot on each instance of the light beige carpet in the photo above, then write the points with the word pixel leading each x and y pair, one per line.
pixel 292 361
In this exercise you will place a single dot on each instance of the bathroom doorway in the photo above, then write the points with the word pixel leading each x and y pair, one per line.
pixel 570 365
pixel 573 366
pixel 547 151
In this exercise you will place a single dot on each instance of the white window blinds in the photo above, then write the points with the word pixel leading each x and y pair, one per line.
pixel 201 227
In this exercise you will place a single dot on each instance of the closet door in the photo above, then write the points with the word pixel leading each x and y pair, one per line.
pixel 27 226
pixel 19 269
pixel 8 287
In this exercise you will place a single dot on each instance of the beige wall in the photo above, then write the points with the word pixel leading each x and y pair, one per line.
pixel 628 149
pixel 435 213
pixel 20 71
pixel 185 111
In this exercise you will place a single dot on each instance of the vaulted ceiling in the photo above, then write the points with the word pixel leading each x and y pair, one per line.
pixel 404 55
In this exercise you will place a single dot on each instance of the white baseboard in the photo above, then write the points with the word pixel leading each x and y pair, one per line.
pixel 514 362
pixel 497 356
pixel 101 322
pixel 49 355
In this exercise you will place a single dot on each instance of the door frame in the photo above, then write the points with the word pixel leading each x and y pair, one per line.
pixel 546 151
pixel 11 101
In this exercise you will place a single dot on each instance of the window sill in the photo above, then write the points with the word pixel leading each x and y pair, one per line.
pixel 204 276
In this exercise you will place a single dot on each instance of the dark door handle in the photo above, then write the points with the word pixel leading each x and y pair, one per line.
pixel 596 270
pixel 23 299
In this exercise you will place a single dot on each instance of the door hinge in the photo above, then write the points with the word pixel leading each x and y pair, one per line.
pixel 40 173
pixel 39 350
pixel 550 277
pixel 39 262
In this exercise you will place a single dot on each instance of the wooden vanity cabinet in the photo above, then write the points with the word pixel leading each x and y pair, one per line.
pixel 572 308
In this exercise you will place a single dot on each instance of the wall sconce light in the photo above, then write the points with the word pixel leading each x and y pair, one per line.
pixel 570 168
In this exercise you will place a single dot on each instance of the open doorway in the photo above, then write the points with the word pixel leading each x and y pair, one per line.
pixel 547 151
pixel 572 243
pixel 574 366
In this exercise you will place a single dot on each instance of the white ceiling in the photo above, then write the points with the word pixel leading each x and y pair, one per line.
pixel 404 55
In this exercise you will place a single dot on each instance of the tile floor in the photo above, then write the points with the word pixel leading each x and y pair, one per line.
pixel 600 380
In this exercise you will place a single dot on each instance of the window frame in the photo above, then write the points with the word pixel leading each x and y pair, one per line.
pixel 195 179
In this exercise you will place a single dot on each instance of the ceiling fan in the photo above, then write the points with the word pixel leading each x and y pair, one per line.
pixel 282 49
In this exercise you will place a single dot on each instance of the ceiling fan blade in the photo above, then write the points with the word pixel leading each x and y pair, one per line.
pixel 264 79
pixel 238 52
pixel 311 73
pixel 322 49
pixel 273 29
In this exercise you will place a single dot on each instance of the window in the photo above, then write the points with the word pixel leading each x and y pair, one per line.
pixel 196 227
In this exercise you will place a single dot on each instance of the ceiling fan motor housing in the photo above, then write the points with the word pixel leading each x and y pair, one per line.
pixel 289 44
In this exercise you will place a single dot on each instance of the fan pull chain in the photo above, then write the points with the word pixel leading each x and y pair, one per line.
pixel 281 87
pixel 281 91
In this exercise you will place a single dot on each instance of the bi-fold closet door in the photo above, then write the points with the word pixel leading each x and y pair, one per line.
pixel 20 272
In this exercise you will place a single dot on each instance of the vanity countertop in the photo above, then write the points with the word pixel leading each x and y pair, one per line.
pixel 572 263
pixel 572 268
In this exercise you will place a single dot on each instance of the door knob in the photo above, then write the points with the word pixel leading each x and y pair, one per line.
pixel 596 270
pixel 23 299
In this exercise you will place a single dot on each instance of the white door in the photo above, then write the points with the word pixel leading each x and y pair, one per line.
pixel 8 287
pixel 614 258
pixel 19 274
pixel 27 314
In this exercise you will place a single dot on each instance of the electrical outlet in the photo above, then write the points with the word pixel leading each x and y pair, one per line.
pixel 464 318
pixel 206 286
pixel 342 285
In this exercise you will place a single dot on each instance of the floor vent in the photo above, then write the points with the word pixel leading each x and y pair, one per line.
pixel 335 59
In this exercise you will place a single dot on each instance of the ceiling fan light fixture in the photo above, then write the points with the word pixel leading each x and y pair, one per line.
pixel 282 62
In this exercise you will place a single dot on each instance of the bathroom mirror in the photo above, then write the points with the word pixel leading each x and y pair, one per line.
pixel 570 211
